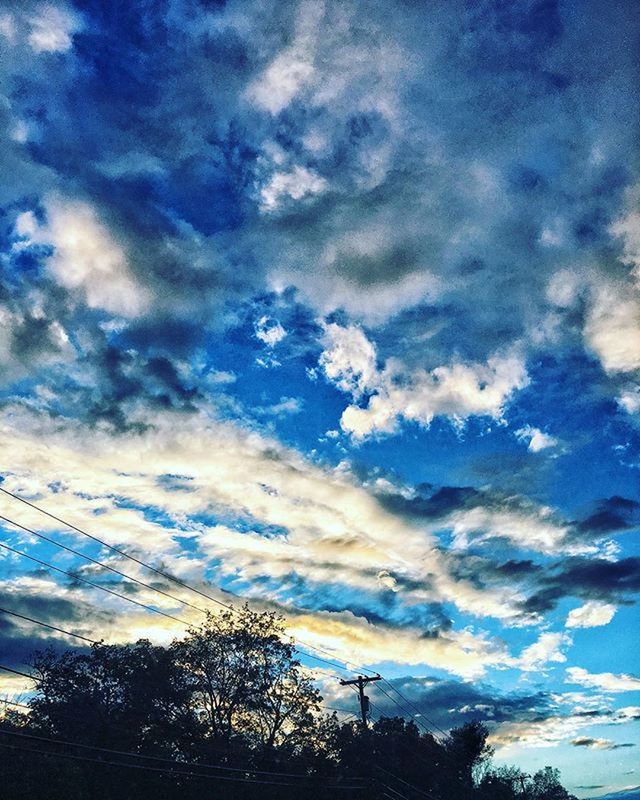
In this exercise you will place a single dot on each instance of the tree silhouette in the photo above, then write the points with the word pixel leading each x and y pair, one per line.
pixel 229 710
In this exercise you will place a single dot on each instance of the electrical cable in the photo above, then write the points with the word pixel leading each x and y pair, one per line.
pixel 162 770
pixel 46 625
pixel 76 577
pixel 160 572
pixel 146 757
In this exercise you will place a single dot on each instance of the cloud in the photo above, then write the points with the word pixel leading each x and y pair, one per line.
pixel 591 615
pixel 546 650
pixel 328 531
pixel 627 229
pixel 269 331
pixel 52 29
pixel 86 258
pixel 605 681
pixel 537 440
pixel 295 185
pixel 395 393
pixel 599 744
pixel 612 328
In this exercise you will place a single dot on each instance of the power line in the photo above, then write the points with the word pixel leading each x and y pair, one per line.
pixel 13 703
pixel 76 577
pixel 163 770
pixel 46 625
pixel 178 582
pixel 418 722
pixel 412 705
pixel 406 783
pixel 100 563
pixel 444 753
pixel 147 757
pixel 160 572
pixel 17 672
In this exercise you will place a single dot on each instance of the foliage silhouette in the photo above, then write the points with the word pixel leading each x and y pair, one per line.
pixel 229 710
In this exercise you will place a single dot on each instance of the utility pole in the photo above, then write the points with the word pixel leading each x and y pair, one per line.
pixel 361 681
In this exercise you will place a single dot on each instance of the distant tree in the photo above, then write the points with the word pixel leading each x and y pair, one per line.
pixel 231 694
pixel 545 785
pixel 503 783
pixel 468 754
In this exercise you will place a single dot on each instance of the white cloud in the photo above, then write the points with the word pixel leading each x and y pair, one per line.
pixel 8 28
pixel 530 528
pixel 52 29
pixel 457 391
pixel 606 681
pixel 87 258
pixel 292 69
pixel 537 439
pixel 627 228
pixel 269 331
pixel 612 328
pixel 349 359
pixel 547 650
pixel 564 287
pixel 287 74
pixel 629 399
pixel 296 184
pixel 286 405
pixel 335 531
pixel 591 615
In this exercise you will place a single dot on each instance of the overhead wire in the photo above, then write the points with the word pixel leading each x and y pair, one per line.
pixel 76 577
pixel 177 581
pixel 165 771
pixel 412 705
pixel 47 625
pixel 147 757
pixel 18 672
pixel 158 571
pixel 99 563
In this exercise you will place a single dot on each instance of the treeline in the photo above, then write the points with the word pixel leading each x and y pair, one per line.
pixel 228 712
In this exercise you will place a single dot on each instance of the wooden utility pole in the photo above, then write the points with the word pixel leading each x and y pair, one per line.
pixel 361 681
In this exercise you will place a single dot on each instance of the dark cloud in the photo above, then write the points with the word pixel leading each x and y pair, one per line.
pixel 586 741
pixel 611 514
pixel 588 579
pixel 21 639
pixel 448 703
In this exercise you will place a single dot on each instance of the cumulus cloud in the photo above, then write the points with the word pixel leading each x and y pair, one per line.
pixel 395 393
pixel 548 649
pixel 52 28
pixel 536 439
pixel 296 184
pixel 269 331
pixel 606 681
pixel 86 258
pixel 591 615
pixel 612 328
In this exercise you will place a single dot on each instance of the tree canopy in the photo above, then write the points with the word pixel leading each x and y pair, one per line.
pixel 228 709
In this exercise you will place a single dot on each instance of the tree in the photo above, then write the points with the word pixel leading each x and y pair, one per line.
pixel 133 696
pixel 545 785
pixel 468 753
pixel 246 682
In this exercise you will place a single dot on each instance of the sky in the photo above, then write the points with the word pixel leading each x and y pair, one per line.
pixel 334 307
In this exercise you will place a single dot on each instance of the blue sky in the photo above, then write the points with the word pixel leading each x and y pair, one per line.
pixel 335 307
